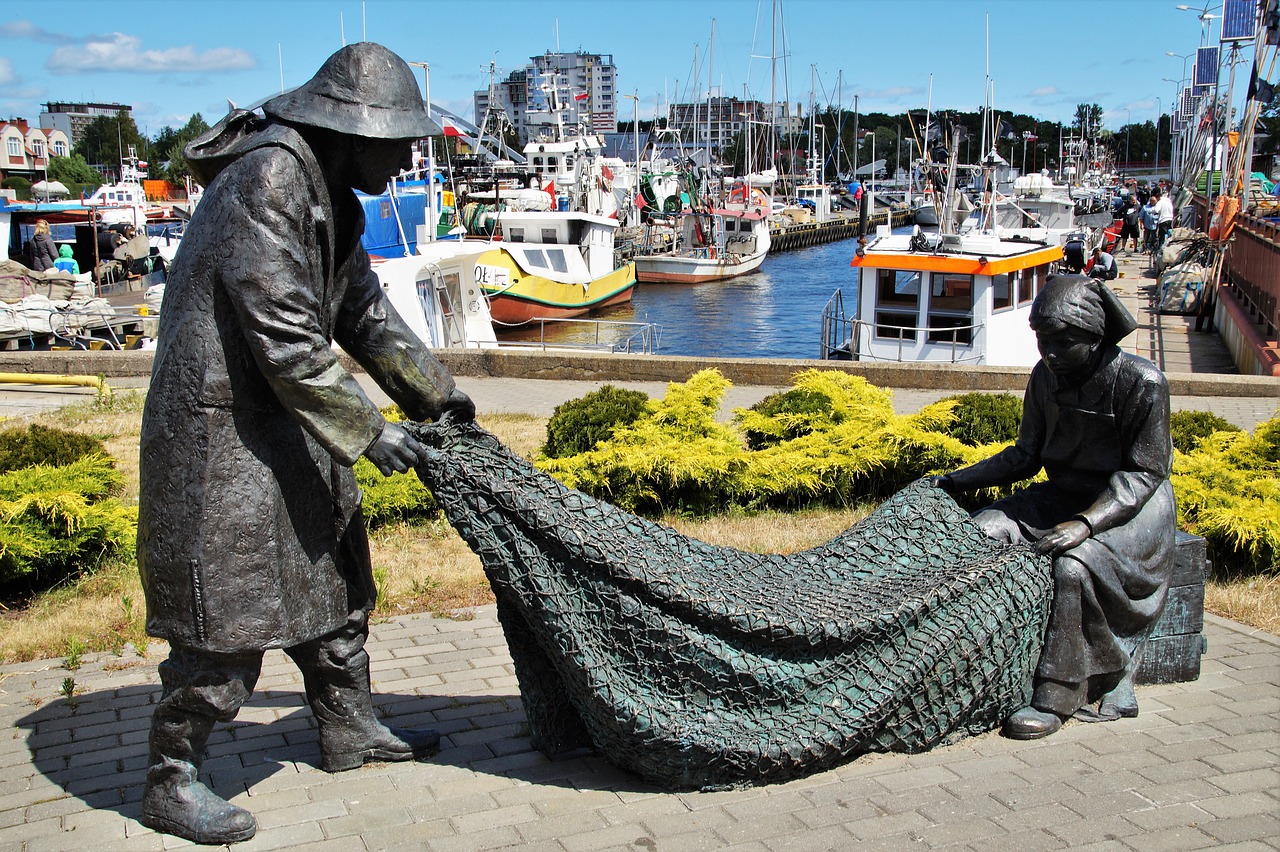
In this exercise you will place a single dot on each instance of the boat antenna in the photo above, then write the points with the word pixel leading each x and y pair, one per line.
pixel 342 29
pixel 280 59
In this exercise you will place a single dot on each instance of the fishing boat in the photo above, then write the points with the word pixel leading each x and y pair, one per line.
pixel 436 292
pixel 551 265
pixel 955 298
pixel 710 246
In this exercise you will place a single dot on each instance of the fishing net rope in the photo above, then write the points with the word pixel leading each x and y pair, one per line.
pixel 699 666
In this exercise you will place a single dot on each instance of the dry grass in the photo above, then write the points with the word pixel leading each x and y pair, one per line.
pixel 1254 601
pixel 424 568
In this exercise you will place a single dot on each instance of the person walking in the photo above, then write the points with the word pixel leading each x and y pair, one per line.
pixel 1129 227
pixel 1163 216
pixel 250 533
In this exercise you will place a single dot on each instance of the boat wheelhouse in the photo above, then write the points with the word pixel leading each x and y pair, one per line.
pixel 955 298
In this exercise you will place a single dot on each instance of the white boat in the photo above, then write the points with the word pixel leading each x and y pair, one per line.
pixel 955 298
pixel 712 246
pixel 437 294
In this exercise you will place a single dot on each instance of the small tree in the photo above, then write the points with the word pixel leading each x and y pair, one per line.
pixel 73 169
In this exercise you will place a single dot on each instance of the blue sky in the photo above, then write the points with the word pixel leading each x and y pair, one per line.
pixel 172 58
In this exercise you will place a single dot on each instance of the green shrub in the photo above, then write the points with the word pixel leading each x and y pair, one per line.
pixel 400 497
pixel 985 418
pixel 21 448
pixel 392 499
pixel 579 424
pixel 845 451
pixel 787 415
pixel 1189 428
pixel 59 521
pixel 1228 490
pixel 20 184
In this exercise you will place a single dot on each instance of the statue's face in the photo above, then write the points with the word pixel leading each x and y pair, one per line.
pixel 377 161
pixel 1067 351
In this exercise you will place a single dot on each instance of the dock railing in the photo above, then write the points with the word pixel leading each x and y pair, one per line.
pixel 1252 269
pixel 843 336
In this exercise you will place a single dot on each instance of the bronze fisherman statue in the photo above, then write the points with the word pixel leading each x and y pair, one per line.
pixel 250 533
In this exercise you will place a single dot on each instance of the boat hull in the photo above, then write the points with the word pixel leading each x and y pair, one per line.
pixel 533 297
pixel 668 269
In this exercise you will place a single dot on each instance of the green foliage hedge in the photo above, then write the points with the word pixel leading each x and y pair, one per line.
pixel 1228 490
pixel 834 440
pixel 21 448
pixel 58 521
pixel 398 498
pixel 985 418
pixel 579 424
pixel 1189 428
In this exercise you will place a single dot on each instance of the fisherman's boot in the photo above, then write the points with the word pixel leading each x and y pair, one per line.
pixel 174 802
pixel 350 734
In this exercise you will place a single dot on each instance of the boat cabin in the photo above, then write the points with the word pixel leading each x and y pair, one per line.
pixel 437 294
pixel 956 298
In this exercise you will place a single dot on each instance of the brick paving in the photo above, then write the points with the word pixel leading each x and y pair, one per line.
pixel 1199 768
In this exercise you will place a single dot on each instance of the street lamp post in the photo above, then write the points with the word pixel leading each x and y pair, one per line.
pixel 1155 163
pixel 1128 129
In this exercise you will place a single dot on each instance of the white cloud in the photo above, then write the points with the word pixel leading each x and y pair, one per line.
pixel 1045 92
pixel 7 75
pixel 120 52
pixel 27 31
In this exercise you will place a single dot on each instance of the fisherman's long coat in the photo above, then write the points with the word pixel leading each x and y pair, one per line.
pixel 249 530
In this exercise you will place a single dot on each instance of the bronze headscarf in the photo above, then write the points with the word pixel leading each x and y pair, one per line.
pixel 1083 303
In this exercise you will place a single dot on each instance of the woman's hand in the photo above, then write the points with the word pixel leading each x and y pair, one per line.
pixel 1063 537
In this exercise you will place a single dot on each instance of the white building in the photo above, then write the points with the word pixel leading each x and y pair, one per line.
pixel 581 88
pixel 73 118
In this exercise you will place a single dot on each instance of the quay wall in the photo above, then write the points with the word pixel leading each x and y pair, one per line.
pixel 525 364
pixel 787 237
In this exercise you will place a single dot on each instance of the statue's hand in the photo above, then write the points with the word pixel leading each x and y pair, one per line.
pixel 1063 537
pixel 458 408
pixel 394 451
pixel 944 482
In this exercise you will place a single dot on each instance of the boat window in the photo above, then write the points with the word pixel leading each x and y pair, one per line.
pixel 895 325
pixel 384 209
pixel 558 261
pixel 730 226
pixel 537 258
pixel 515 235
pixel 1001 292
pixel 898 287
pixel 549 235
pixel 568 161
pixel 551 162
pixel 537 162
pixel 951 308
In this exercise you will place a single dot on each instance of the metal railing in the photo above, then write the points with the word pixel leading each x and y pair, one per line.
pixel 846 338
pixel 1252 268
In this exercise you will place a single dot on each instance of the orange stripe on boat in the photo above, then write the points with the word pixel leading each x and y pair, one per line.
pixel 960 265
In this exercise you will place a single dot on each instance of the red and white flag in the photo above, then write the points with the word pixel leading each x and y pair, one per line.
pixel 449 128
pixel 579 96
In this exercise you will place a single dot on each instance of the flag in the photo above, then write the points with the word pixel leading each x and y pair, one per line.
pixel 1029 136
pixel 1260 90
pixel 1006 131
pixel 606 172
pixel 640 202
pixel 932 134
pixel 579 96
pixel 959 132
pixel 550 189
pixel 449 128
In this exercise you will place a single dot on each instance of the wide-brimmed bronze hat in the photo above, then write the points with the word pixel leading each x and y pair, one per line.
pixel 362 90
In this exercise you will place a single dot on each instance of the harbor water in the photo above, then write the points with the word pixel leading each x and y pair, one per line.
pixel 774 312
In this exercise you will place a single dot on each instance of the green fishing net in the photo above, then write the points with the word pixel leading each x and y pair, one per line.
pixel 698 666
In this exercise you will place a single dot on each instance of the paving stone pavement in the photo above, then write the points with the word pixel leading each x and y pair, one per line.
pixel 1199 768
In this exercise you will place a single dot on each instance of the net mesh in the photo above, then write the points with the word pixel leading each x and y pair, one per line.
pixel 700 666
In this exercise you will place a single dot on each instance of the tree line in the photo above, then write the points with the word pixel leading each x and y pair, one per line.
pixel 108 138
